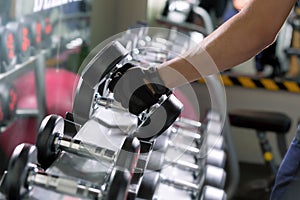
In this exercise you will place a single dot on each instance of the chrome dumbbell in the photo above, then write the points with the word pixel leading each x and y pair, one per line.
pixel 152 189
pixel 51 141
pixel 154 186
pixel 23 174
pixel 214 176
pixel 163 143
pixel 214 156
pixel 195 130
pixel 213 193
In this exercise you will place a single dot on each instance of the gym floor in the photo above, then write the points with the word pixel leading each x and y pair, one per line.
pixel 254 181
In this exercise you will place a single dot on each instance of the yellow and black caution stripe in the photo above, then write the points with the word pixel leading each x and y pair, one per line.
pixel 263 83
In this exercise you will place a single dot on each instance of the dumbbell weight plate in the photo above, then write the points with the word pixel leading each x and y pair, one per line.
pixel 22 40
pixel 51 127
pixel 15 181
pixel 8 102
pixel 95 72
pixel 7 48
pixel 47 32
pixel 161 119
pixel 35 27
pixel 150 181
pixel 212 193
pixel 118 184
pixel 128 154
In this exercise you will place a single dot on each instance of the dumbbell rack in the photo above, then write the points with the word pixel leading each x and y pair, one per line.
pixel 37 64
pixel 80 165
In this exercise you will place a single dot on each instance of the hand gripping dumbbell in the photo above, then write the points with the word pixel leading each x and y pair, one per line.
pixel 94 79
pixel 23 174
pixel 8 102
pixel 51 141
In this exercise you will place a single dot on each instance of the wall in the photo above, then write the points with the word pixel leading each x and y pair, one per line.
pixel 110 17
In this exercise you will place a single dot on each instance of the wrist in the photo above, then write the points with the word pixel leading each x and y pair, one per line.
pixel 158 86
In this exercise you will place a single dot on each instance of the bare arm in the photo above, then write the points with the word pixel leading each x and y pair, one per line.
pixel 237 40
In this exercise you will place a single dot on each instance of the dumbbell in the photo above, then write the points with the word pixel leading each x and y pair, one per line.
pixel 8 49
pixel 187 123
pixel 213 193
pixel 214 156
pixel 23 174
pixel 214 176
pixel 35 28
pixel 158 117
pixel 51 141
pixel 47 32
pixel 150 188
pixel 8 102
pixel 150 126
pixel 152 181
pixel 22 40
pixel 153 186
pixel 215 144
pixel 215 141
pixel 194 129
pixel 186 152
pixel 129 40
pixel 176 167
pixel 164 143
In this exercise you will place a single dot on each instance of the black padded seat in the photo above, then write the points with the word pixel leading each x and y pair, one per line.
pixel 260 120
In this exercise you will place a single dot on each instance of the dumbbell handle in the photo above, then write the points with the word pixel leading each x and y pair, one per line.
pixel 63 185
pixel 185 148
pixel 180 184
pixel 181 164
pixel 186 133
pixel 187 123
pixel 108 103
pixel 84 149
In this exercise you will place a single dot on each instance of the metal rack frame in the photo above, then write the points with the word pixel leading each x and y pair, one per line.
pixel 37 64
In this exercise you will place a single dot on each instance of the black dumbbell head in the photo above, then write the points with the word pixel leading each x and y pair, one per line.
pixel 161 143
pixel 148 185
pixel 7 48
pixel 22 40
pixel 51 128
pixel 161 119
pixel 128 154
pixel 19 164
pixel 8 103
pixel 118 184
pixel 35 28
pixel 156 161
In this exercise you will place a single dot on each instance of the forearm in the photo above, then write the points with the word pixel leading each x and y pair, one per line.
pixel 236 41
